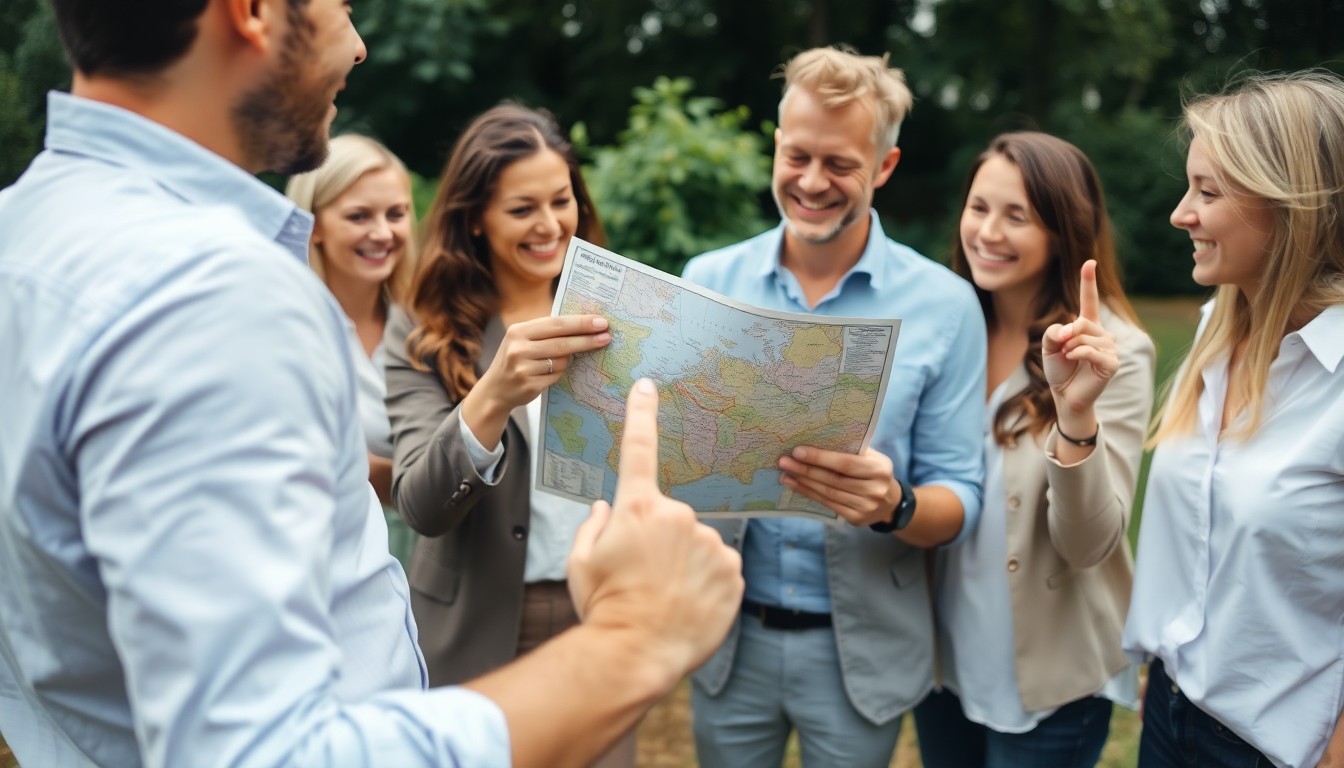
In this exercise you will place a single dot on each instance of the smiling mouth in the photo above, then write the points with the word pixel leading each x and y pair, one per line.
pixel 1203 245
pixel 994 258
pixel 373 254
pixel 542 249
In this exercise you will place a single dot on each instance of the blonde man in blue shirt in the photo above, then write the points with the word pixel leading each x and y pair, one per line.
pixel 196 567
pixel 835 638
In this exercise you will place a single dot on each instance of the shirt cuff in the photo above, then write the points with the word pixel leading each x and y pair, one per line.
pixel 486 462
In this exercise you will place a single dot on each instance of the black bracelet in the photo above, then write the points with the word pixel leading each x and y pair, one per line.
pixel 1084 443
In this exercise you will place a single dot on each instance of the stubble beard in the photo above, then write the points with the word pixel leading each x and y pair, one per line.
pixel 282 123
pixel 825 237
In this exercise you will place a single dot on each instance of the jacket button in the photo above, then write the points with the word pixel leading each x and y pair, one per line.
pixel 1014 502
pixel 1012 565
pixel 519 532
pixel 464 488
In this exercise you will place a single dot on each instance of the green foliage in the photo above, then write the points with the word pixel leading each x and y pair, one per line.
pixel 684 177
pixel 18 131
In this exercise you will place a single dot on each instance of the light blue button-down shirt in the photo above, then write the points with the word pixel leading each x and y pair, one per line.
pixel 194 567
pixel 931 416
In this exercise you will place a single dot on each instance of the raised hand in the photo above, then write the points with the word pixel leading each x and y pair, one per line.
pixel 1080 358
pixel 648 565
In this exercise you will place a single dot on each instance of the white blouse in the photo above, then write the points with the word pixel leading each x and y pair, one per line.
pixel 1239 583
pixel 555 520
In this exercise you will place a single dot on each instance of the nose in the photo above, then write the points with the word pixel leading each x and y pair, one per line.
pixel 1183 216
pixel 990 231
pixel 361 51
pixel 548 223
pixel 382 230
pixel 813 179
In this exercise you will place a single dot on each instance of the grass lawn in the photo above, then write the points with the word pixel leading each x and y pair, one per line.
pixel 665 738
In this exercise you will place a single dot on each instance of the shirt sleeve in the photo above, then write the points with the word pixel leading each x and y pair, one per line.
pixel 946 448
pixel 206 428
pixel 485 461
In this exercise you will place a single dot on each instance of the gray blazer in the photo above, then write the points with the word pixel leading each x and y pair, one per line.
pixel 466 573
pixel 883 620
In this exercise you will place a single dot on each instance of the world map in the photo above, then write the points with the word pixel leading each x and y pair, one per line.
pixel 738 387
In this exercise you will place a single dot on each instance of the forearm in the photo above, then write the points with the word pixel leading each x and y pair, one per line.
pixel 380 477
pixel 938 518
pixel 1334 748
pixel 608 678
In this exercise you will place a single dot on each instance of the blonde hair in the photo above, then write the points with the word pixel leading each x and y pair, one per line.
pixel 1279 138
pixel 840 76
pixel 350 158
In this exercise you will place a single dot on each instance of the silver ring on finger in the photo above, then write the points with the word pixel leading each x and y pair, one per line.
pixel 550 366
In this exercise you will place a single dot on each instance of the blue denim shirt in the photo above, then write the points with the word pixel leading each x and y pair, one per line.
pixel 195 567
pixel 931 416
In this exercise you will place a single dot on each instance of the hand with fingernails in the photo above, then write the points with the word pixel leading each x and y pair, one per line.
pixel 857 487
pixel 532 356
pixel 648 565
pixel 1080 358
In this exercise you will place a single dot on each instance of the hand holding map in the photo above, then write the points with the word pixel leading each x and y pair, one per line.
pixel 740 386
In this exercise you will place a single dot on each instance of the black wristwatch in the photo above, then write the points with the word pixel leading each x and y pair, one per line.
pixel 904 510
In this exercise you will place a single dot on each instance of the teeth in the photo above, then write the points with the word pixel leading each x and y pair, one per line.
pixel 374 255
pixel 542 247
pixel 813 206
pixel 994 257
pixel 1203 245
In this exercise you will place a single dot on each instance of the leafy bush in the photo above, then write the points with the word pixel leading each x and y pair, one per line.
pixel 684 177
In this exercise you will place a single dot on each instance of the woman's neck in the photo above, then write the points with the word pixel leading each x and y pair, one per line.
pixel 365 307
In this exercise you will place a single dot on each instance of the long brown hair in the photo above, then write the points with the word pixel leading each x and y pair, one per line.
pixel 454 295
pixel 1063 189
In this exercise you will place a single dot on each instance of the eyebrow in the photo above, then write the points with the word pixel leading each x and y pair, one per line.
pixel 529 198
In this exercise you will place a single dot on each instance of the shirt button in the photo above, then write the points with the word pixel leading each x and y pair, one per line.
pixel 1014 502
pixel 1012 565
pixel 519 532
pixel 464 488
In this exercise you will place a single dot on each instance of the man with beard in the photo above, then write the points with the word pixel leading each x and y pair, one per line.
pixel 835 637
pixel 195 568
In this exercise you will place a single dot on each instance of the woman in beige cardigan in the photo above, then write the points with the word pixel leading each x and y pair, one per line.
pixel 1031 606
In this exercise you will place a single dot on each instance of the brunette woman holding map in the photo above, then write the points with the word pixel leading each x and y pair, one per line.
pixel 466 365
pixel 1031 606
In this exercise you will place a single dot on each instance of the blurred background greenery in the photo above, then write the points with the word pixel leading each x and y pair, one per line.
pixel 673 99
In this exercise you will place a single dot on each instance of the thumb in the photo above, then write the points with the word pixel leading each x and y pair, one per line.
pixel 579 568
pixel 1054 337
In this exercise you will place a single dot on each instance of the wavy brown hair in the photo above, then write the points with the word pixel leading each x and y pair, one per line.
pixel 1063 189
pixel 453 295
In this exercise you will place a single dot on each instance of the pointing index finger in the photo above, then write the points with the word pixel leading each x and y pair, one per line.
pixel 1088 301
pixel 639 441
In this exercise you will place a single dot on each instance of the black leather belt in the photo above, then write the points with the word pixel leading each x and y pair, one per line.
pixel 774 617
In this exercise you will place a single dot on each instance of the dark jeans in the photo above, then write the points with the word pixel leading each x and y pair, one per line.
pixel 1177 734
pixel 1070 738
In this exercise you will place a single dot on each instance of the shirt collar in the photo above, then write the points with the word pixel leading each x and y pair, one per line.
pixel 868 263
pixel 1324 336
pixel 117 136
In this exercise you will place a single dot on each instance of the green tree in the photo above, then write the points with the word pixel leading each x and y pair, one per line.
pixel 683 179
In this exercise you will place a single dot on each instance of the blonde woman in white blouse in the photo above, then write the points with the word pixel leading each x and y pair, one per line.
pixel 1239 589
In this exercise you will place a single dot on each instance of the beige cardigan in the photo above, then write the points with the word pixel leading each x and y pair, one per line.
pixel 1068 560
